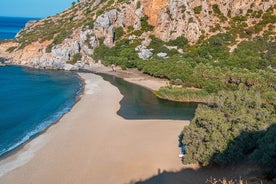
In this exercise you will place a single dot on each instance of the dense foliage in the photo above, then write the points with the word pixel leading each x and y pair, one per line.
pixel 234 127
pixel 235 66
pixel 208 66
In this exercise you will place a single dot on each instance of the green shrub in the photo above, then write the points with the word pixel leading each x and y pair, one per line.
pixel 198 9
pixel 227 130
pixel 191 20
pixel 118 33
pixel 99 12
pixel 11 49
pixel 75 58
pixel 156 44
pixel 145 25
pixel 138 5
pixel 216 9
pixel 182 94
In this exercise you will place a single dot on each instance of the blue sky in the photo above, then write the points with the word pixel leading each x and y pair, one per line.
pixel 33 8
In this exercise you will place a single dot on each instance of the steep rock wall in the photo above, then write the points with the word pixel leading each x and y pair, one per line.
pixel 176 18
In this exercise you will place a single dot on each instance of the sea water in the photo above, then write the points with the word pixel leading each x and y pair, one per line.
pixel 9 26
pixel 31 100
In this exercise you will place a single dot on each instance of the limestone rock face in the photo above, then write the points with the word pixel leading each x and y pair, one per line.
pixel 174 18
pixel 104 26
pixel 70 67
pixel 145 53
pixel 106 23
pixel 170 18
pixel 162 55
pixel 152 8
pixel 66 50
pixel 88 41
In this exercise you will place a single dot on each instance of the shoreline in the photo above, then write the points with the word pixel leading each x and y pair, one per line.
pixel 63 112
pixel 151 83
pixel 137 77
pixel 47 138
pixel 87 146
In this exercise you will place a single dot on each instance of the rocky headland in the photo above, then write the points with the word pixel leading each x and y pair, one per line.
pixel 68 40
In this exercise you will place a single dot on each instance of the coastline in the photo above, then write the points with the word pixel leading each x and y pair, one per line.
pixel 45 124
pixel 96 143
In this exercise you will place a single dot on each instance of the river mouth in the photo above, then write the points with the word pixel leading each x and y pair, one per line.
pixel 140 103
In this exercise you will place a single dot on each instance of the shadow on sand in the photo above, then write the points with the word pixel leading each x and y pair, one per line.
pixel 191 175
pixel 259 145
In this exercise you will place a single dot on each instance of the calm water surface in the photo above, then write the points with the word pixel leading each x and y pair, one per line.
pixel 141 103
pixel 31 100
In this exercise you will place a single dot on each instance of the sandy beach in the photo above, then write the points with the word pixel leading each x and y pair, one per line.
pixel 92 144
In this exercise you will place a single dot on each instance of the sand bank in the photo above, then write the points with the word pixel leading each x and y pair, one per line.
pixel 137 77
pixel 92 144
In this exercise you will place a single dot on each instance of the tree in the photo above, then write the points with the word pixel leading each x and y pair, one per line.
pixel 228 129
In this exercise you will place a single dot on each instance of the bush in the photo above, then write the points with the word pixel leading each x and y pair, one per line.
pixel 138 5
pixel 216 9
pixel 11 49
pixel 156 44
pixel 180 42
pixel 264 154
pixel 145 25
pixel 75 58
pixel 197 9
pixel 118 33
pixel 182 94
pixel 231 129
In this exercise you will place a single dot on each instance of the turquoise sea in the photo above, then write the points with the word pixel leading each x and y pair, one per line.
pixel 31 100
pixel 9 26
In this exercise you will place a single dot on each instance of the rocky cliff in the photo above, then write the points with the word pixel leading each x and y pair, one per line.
pixel 196 18
pixel 68 40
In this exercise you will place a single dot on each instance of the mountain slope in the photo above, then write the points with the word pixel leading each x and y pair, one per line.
pixel 219 52
pixel 202 47
pixel 81 28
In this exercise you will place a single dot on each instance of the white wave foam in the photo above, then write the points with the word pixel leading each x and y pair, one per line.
pixel 41 127
pixel 24 156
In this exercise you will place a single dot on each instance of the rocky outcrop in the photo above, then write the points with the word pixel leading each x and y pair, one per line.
pixel 104 26
pixel 145 53
pixel 193 18
pixel 58 56
pixel 35 55
pixel 88 41
pixel 65 51
pixel 152 9
pixel 106 23
pixel 162 55
pixel 170 18
pixel 27 27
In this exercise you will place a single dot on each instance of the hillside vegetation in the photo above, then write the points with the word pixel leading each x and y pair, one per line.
pixel 235 127
pixel 220 53
pixel 241 51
